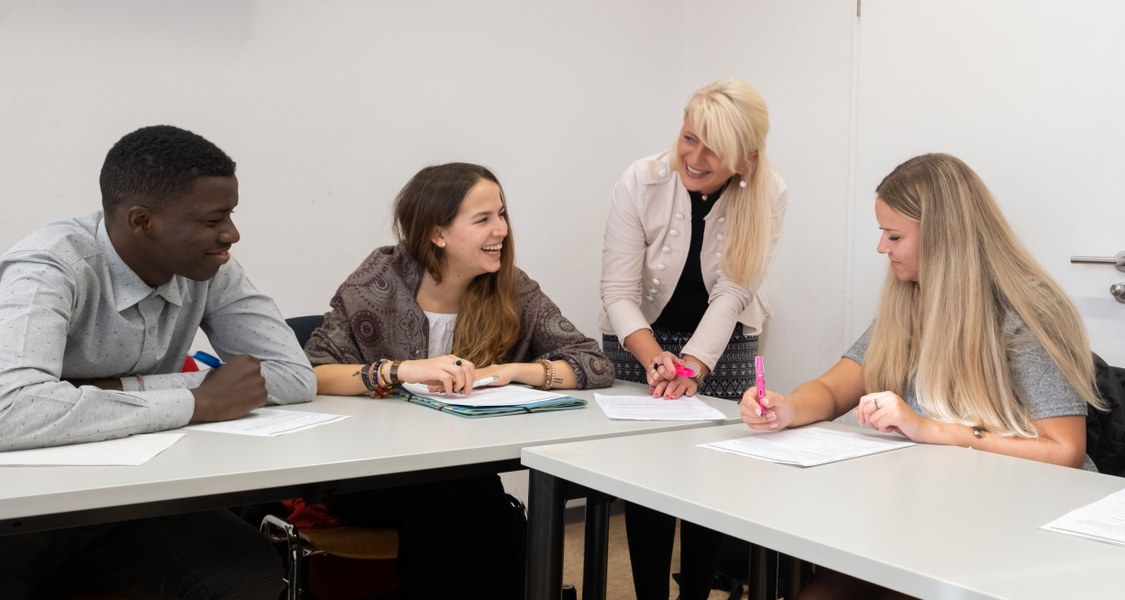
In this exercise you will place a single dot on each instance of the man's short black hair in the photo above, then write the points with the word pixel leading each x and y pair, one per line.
pixel 155 164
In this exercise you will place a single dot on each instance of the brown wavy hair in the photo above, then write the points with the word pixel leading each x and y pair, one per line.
pixel 488 322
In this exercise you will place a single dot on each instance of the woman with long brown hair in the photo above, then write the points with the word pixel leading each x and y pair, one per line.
pixel 446 306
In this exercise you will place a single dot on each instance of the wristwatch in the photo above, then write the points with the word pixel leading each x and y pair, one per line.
pixel 697 368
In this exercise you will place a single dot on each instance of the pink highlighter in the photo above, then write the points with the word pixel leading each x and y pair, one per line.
pixel 760 382
pixel 684 371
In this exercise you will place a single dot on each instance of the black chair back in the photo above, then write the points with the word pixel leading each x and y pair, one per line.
pixel 304 326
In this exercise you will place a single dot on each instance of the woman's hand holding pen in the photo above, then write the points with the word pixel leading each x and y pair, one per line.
pixel 777 413
pixel 666 377
pixel 447 374
pixel 661 368
pixel 507 373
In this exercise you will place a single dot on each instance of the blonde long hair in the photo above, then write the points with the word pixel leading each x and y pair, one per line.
pixel 732 120
pixel 946 330
pixel 488 322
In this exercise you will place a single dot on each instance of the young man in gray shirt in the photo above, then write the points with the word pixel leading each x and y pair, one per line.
pixel 96 316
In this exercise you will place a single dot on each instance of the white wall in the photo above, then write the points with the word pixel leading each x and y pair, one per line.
pixel 1029 94
pixel 330 106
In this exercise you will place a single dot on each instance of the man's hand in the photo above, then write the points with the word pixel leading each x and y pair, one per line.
pixel 230 391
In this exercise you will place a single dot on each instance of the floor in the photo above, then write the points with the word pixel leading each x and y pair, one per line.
pixel 619 580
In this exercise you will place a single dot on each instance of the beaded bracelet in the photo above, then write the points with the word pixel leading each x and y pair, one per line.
pixel 382 385
pixel 376 385
pixel 548 373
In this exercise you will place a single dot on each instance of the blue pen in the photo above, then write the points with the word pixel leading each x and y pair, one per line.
pixel 207 359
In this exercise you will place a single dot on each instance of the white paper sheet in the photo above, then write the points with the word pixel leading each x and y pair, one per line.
pixel 647 408
pixel 809 446
pixel 270 422
pixel 505 395
pixel 129 451
pixel 1103 520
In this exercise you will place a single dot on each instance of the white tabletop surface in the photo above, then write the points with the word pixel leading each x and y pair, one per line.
pixel 386 436
pixel 931 521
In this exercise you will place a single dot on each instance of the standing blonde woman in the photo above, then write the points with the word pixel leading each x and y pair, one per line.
pixel 689 236
pixel 973 345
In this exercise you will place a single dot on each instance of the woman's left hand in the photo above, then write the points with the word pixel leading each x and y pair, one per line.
pixel 887 412
pixel 670 390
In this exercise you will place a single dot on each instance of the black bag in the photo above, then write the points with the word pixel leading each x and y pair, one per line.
pixel 1105 431
pixel 513 548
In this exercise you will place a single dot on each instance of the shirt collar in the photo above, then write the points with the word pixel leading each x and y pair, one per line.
pixel 128 287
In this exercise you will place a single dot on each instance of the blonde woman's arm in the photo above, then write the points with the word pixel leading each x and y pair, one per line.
pixel 1061 440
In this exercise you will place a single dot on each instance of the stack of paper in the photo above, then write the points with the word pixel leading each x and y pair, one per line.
pixel 810 446
pixel 647 408
pixel 1103 520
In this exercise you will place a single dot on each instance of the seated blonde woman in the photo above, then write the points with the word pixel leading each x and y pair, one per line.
pixel 973 344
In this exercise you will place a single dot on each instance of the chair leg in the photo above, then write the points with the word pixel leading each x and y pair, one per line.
pixel 294 551
pixel 763 573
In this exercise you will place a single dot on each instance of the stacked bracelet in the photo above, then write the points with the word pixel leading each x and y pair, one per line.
pixel 382 384
pixel 549 379
pixel 375 382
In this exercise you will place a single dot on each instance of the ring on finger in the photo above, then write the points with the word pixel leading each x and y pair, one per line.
pixel 876 401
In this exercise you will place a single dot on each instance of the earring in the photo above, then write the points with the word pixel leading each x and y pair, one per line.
pixel 441 245
pixel 742 183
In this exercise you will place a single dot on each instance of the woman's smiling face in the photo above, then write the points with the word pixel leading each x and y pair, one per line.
pixel 700 169
pixel 472 243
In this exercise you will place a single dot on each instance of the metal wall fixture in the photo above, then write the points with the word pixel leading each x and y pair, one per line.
pixel 1116 290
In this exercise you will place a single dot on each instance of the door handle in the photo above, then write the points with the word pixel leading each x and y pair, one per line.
pixel 1118 260
pixel 1117 290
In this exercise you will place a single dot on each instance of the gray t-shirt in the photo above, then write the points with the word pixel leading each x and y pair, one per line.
pixel 1037 378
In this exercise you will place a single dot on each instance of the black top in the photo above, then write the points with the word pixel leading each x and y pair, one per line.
pixel 689 301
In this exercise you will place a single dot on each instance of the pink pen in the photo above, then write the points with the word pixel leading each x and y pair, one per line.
pixel 760 382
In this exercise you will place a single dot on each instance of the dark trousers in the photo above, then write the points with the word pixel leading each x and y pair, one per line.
pixel 449 534
pixel 197 556
pixel 651 535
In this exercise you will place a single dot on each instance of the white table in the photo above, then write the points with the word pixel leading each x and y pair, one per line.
pixel 387 442
pixel 930 521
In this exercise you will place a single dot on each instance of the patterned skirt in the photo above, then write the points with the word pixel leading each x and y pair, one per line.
pixel 733 374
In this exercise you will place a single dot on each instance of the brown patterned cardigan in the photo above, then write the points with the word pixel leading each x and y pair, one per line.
pixel 375 315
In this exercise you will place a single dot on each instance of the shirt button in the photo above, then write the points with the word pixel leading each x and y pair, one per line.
pixel 718 255
pixel 673 232
pixel 719 236
pixel 660 266
pixel 666 249
pixel 680 216
pixel 663 172
pixel 722 219
pixel 655 281
pixel 650 298
pixel 652 290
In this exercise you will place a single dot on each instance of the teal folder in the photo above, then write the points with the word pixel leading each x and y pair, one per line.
pixel 450 406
